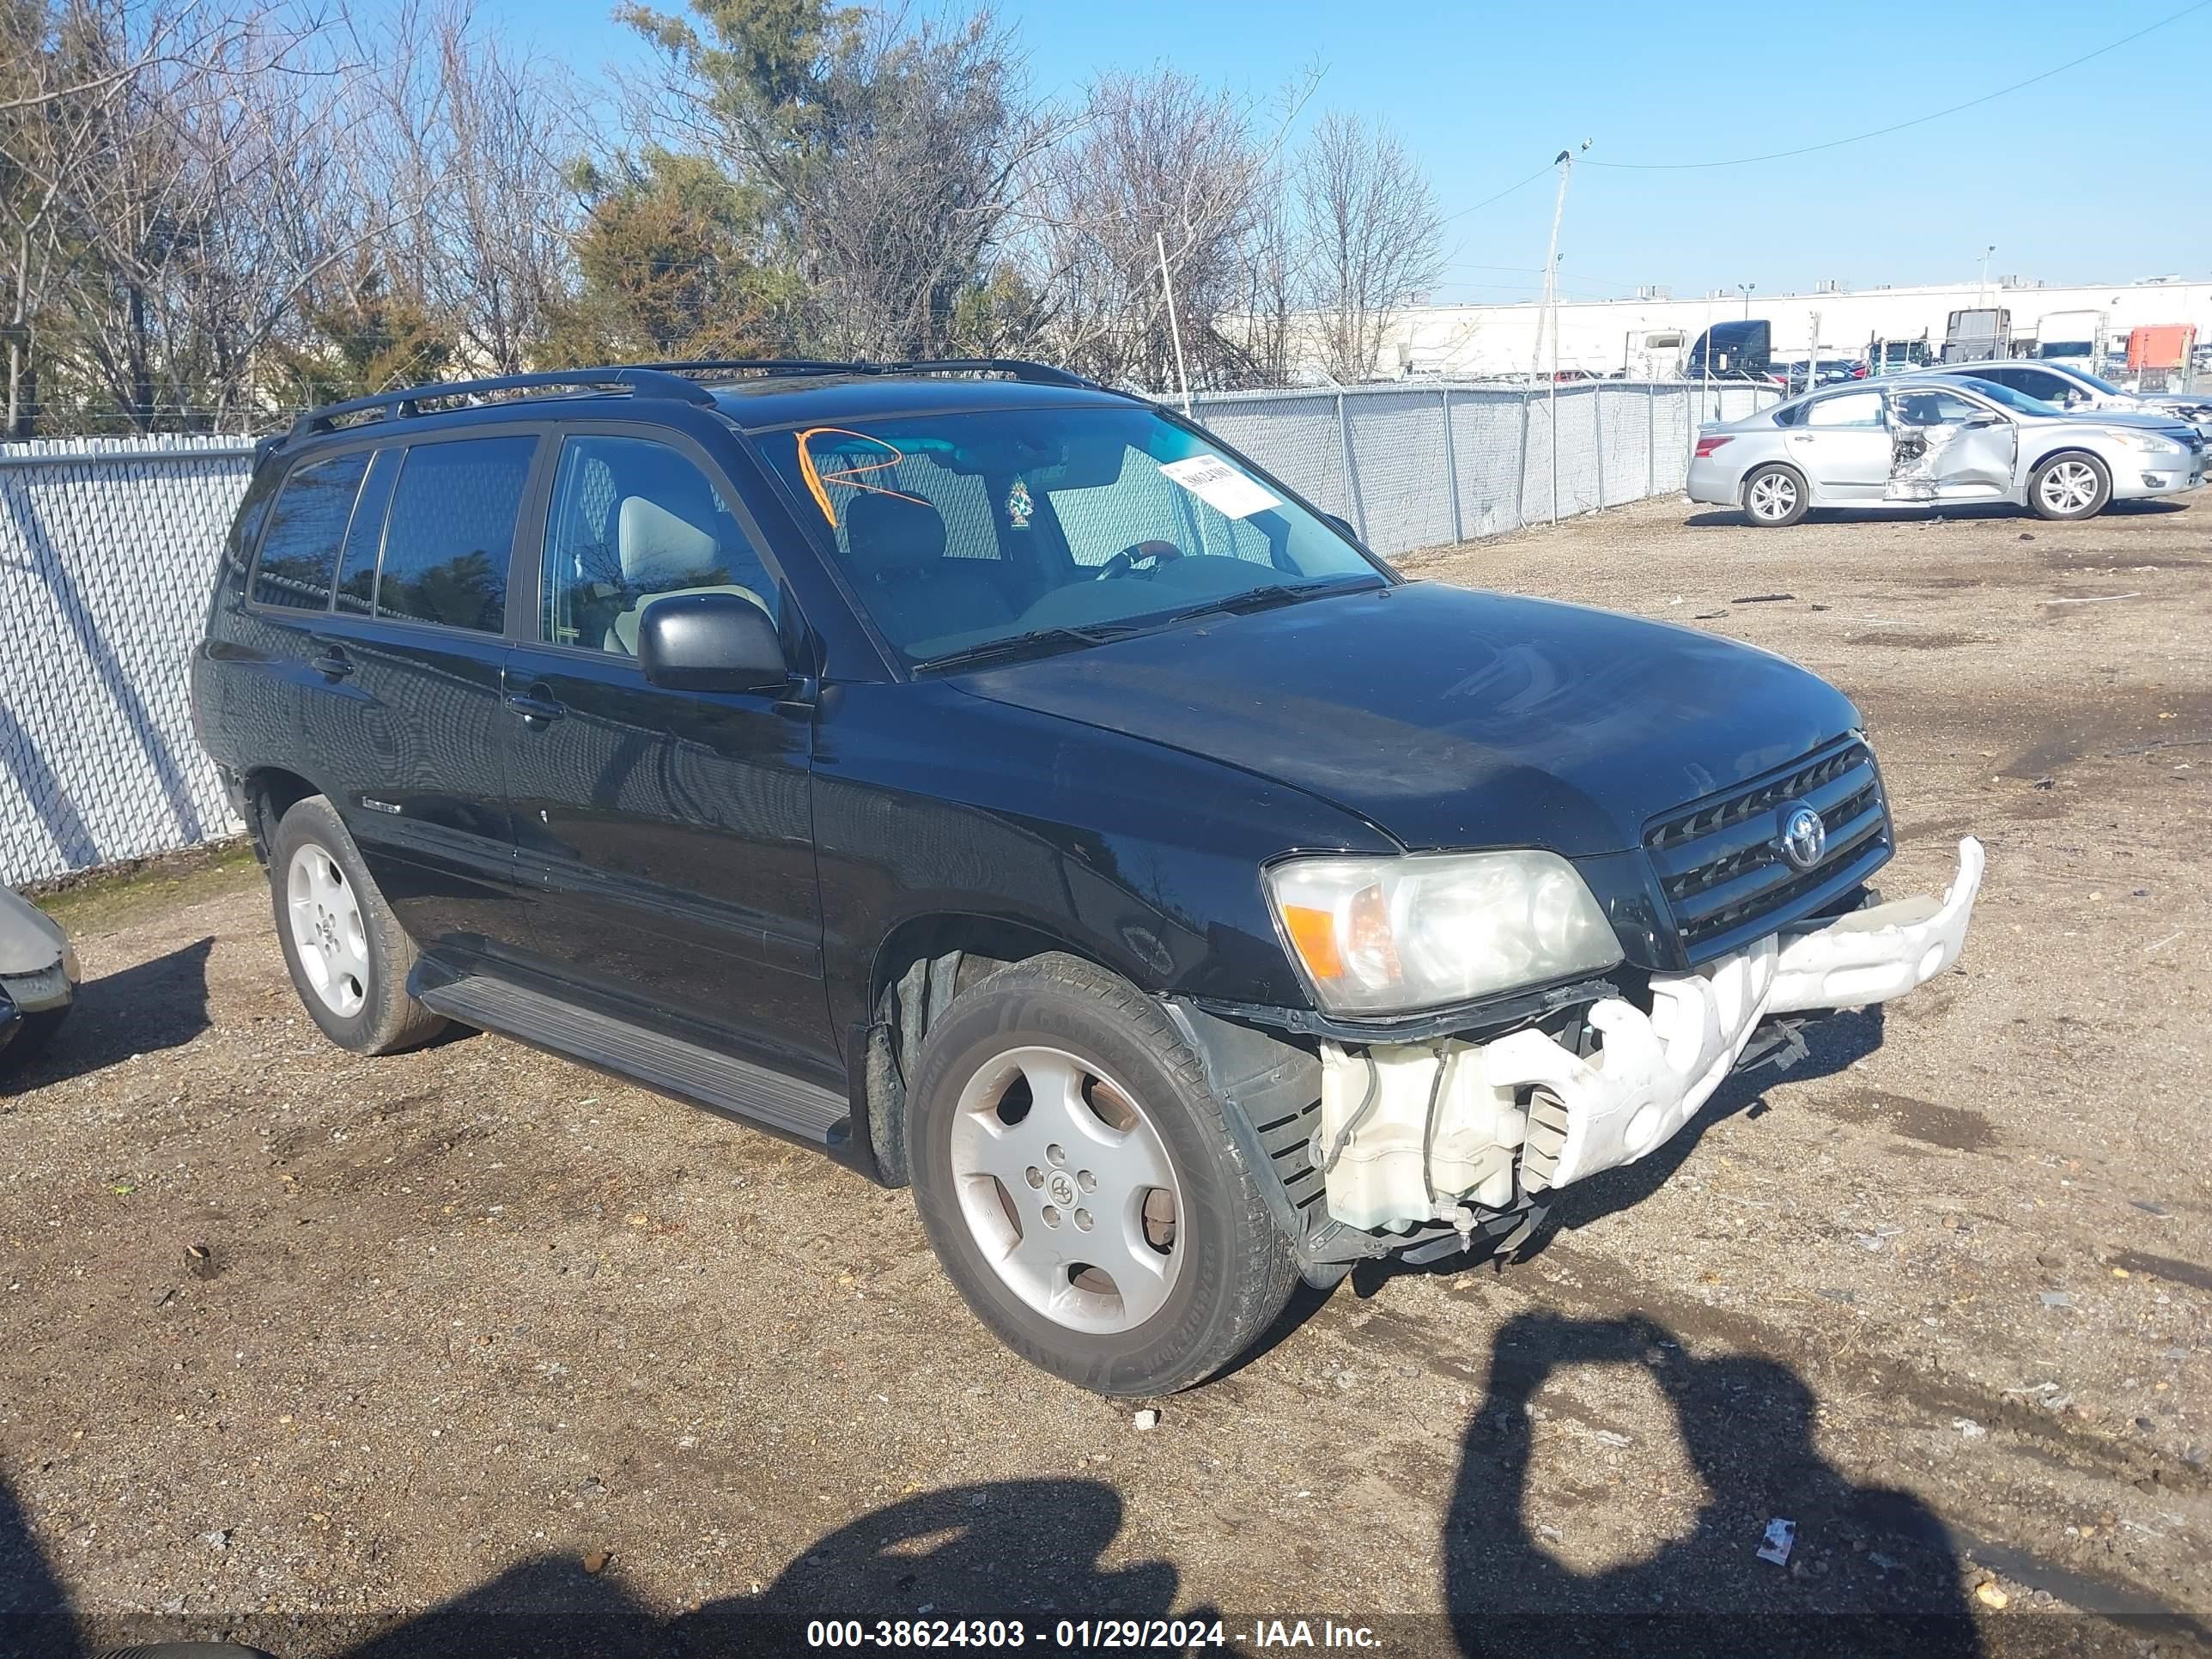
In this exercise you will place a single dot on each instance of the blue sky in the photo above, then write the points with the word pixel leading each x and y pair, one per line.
pixel 2098 174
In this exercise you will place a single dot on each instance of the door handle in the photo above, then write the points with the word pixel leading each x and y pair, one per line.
pixel 534 709
pixel 330 661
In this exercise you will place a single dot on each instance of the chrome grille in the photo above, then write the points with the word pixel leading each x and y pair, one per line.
pixel 1720 862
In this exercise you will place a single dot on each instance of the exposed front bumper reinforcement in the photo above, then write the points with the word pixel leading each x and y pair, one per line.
pixel 1435 1127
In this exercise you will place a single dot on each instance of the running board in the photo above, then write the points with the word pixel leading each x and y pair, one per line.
pixel 801 1111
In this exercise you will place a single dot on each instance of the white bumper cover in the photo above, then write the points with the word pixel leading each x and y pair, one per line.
pixel 1652 1073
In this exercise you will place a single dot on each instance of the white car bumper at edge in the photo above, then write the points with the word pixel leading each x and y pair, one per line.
pixel 1655 1070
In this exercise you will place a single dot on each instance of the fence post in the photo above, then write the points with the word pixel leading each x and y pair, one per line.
pixel 1521 477
pixel 1351 468
pixel 1451 467
pixel 1597 427
pixel 1651 437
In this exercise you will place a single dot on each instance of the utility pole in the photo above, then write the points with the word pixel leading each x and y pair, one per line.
pixel 1175 330
pixel 1982 295
pixel 1747 288
pixel 1546 311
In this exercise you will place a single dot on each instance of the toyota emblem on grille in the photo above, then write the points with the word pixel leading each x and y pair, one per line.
pixel 1804 836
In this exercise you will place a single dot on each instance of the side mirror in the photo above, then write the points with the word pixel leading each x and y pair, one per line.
pixel 1343 527
pixel 710 642
pixel 1976 422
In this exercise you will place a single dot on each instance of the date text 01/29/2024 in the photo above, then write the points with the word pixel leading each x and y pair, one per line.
pixel 1086 1634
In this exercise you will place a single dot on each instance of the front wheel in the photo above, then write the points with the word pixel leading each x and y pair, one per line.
pixel 1774 496
pixel 1079 1182
pixel 2071 486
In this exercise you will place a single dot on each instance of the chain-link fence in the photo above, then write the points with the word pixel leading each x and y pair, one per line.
pixel 107 547
pixel 1415 466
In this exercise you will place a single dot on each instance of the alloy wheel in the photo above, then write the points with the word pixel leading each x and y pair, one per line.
pixel 1067 1189
pixel 2069 487
pixel 1772 496
pixel 328 936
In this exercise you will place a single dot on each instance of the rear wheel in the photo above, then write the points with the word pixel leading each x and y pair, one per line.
pixel 2070 486
pixel 1775 496
pixel 348 956
pixel 1077 1179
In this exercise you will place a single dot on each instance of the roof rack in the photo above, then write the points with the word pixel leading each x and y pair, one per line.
pixel 1017 368
pixel 402 405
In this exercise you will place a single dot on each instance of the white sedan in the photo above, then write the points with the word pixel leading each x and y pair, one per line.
pixel 1933 439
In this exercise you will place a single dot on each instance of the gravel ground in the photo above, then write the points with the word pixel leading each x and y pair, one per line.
pixel 489 1354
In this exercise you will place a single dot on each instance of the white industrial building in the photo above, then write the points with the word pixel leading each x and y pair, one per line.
pixel 1603 336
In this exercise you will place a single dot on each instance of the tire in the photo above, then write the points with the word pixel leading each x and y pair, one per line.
pixel 2071 485
pixel 354 982
pixel 1784 488
pixel 1207 1271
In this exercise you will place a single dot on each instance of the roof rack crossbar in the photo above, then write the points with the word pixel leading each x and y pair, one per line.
pixel 405 402
pixel 1017 367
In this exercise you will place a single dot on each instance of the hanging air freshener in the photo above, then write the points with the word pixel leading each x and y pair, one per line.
pixel 1019 506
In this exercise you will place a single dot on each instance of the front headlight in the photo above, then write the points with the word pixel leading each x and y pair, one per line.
pixel 1391 935
pixel 2151 441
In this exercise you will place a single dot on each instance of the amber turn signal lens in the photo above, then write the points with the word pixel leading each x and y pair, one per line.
pixel 1313 932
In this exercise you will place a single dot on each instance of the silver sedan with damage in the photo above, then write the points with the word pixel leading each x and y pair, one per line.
pixel 1935 440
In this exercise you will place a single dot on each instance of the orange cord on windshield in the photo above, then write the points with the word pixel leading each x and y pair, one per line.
pixel 848 477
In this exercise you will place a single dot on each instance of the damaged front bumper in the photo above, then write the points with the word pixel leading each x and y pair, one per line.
pixel 1415 1134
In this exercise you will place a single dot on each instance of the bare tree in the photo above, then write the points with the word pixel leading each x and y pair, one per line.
pixel 464 149
pixel 1162 162
pixel 1373 236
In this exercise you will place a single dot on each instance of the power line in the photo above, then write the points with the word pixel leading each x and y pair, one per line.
pixel 1917 121
pixel 1535 176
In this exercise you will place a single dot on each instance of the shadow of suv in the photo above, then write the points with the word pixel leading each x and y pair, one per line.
pixel 999 784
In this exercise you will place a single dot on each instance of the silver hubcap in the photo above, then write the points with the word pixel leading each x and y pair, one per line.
pixel 2069 487
pixel 1067 1189
pixel 1772 495
pixel 327 934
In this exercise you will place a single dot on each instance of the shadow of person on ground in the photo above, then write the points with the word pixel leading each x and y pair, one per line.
pixel 1872 1571
pixel 997 1549
pixel 35 1617
pixel 161 1004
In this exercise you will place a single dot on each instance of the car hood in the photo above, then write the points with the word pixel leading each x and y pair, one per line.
pixel 1451 718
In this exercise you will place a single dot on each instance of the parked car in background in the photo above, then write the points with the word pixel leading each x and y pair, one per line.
pixel 1832 370
pixel 1938 437
pixel 2077 389
pixel 997 784
pixel 38 978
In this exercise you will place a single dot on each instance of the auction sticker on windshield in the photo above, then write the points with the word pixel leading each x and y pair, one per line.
pixel 1219 485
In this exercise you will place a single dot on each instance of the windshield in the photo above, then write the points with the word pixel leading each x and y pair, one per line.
pixel 1057 527
pixel 2011 399
pixel 2097 381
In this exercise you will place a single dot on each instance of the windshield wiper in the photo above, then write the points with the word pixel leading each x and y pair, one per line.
pixel 1037 641
pixel 1268 595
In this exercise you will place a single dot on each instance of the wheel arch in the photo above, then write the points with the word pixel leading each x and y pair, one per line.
pixel 921 965
pixel 1743 484
pixel 270 792
pixel 2057 450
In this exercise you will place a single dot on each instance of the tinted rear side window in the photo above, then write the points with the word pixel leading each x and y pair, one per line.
pixel 299 553
pixel 451 530
pixel 365 536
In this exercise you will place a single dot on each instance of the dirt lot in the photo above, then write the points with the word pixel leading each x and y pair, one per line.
pixel 1942 1295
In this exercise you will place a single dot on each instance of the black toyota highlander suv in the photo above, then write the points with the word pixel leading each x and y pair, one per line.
pixel 1001 785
